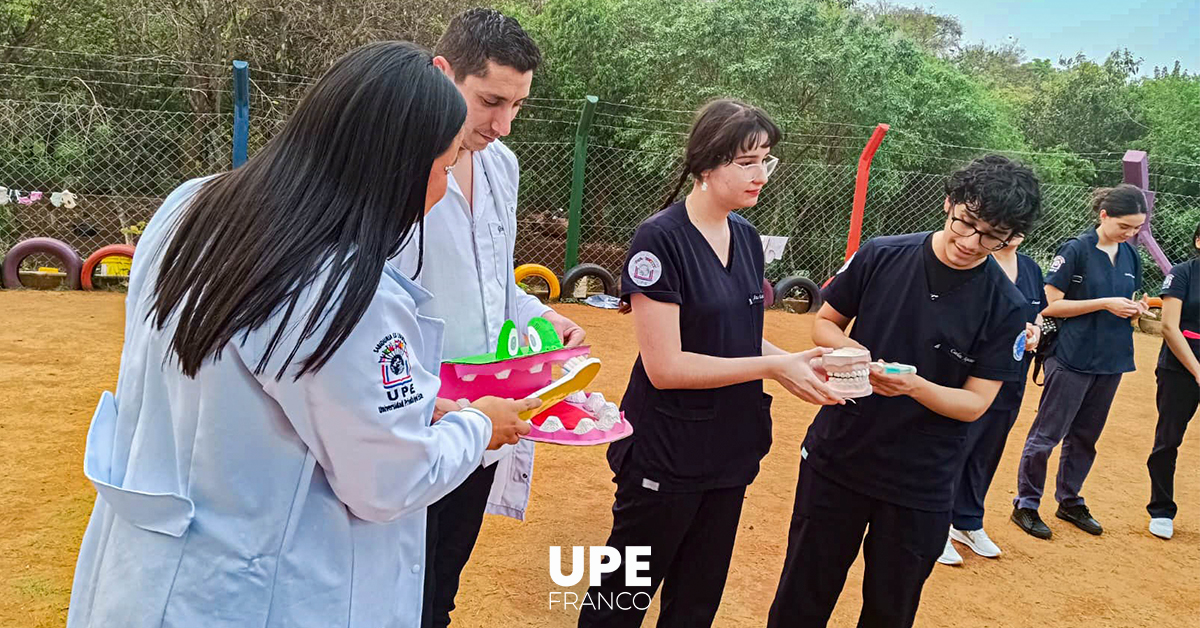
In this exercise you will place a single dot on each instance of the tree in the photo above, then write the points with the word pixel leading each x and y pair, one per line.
pixel 1086 107
pixel 940 35
pixel 1171 105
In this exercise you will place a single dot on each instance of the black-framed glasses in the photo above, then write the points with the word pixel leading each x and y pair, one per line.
pixel 986 240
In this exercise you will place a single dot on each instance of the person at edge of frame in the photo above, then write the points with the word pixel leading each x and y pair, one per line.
pixel 1178 375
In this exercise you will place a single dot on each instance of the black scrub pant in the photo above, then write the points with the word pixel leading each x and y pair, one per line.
pixel 452 526
pixel 828 523
pixel 1178 397
pixel 1072 411
pixel 691 538
pixel 985 445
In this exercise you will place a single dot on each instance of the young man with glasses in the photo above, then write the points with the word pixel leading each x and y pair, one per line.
pixel 886 465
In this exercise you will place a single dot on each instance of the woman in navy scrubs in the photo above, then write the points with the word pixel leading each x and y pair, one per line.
pixel 695 397
pixel 1090 286
pixel 1178 375
pixel 884 467
pixel 986 436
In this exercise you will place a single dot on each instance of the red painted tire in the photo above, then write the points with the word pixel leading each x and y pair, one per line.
pixel 768 294
pixel 49 246
pixel 93 260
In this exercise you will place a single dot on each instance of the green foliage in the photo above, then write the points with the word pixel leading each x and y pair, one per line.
pixel 826 70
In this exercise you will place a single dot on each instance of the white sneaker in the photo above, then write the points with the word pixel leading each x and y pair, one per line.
pixel 1162 527
pixel 977 540
pixel 950 555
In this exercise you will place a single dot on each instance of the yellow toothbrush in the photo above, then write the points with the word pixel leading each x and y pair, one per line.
pixel 578 373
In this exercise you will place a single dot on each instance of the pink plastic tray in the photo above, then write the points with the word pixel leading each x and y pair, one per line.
pixel 570 414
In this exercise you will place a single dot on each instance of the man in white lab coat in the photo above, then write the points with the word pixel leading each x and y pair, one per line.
pixel 468 266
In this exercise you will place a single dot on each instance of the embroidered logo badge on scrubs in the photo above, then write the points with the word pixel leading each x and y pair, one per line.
pixel 1057 263
pixel 393 361
pixel 644 268
pixel 1167 283
pixel 1019 347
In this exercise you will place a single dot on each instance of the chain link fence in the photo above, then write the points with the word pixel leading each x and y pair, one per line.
pixel 119 163
pixel 91 145
pixel 116 164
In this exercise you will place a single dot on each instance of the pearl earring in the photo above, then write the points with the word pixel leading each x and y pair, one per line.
pixel 704 185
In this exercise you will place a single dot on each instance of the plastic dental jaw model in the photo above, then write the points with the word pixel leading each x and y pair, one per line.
pixel 849 371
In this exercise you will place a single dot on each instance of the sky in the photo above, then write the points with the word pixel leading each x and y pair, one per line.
pixel 1159 31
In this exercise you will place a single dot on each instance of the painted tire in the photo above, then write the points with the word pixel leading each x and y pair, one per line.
pixel 810 294
pixel 49 246
pixel 537 270
pixel 768 294
pixel 589 270
pixel 93 260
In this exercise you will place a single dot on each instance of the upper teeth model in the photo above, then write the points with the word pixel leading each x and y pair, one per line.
pixel 849 371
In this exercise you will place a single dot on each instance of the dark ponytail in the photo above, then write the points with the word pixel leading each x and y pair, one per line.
pixel 679 186
pixel 722 128
pixel 1123 200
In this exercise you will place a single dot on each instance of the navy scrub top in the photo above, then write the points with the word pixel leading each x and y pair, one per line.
pixel 893 448
pixel 696 440
pixel 1183 283
pixel 1033 289
pixel 1097 343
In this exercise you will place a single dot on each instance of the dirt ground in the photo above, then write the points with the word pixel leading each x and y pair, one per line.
pixel 59 350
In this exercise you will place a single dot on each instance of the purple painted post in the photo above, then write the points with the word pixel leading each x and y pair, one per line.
pixel 1136 168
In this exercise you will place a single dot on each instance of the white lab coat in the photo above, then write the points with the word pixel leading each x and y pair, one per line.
pixel 468 266
pixel 233 499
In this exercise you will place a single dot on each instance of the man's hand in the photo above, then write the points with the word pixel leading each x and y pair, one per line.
pixel 572 335
pixel 904 385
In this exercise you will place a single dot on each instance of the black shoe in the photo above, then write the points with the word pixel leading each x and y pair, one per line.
pixel 1028 520
pixel 1081 517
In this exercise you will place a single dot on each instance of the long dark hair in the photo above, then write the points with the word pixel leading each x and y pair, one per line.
pixel 722 128
pixel 338 190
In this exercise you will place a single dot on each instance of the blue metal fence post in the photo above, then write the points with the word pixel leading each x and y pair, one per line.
pixel 241 112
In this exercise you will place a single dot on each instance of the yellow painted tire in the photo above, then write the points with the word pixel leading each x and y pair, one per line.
pixel 537 270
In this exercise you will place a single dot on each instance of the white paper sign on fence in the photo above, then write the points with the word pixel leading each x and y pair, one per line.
pixel 773 247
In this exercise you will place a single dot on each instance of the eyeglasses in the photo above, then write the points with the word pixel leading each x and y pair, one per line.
pixel 767 167
pixel 986 240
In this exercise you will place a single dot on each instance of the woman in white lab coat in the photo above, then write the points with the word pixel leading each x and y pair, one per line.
pixel 269 454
